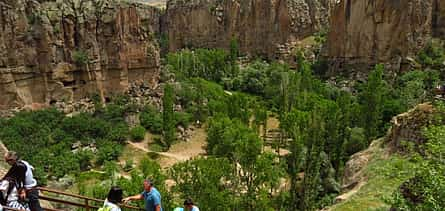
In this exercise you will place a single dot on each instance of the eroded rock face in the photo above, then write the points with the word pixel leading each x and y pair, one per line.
pixel 66 50
pixel 262 27
pixel 408 127
pixel 366 32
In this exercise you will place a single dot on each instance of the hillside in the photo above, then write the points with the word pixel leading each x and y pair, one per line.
pixel 373 175
pixel 237 104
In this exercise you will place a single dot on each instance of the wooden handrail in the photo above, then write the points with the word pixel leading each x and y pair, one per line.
pixel 86 205
pixel 15 209
pixel 68 194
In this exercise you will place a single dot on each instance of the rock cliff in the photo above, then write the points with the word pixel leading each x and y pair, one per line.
pixel 366 32
pixel 65 50
pixel 267 28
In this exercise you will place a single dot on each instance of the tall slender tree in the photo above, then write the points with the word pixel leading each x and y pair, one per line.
pixel 168 124
pixel 371 99
pixel 315 147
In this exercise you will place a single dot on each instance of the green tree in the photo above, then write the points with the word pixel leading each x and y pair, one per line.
pixel 137 133
pixel 207 180
pixel 372 101
pixel 426 190
pixel 168 120
pixel 234 49
pixel 151 119
pixel 311 182
pixel 295 124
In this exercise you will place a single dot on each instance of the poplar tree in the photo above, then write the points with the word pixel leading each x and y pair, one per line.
pixel 168 123
pixel 372 101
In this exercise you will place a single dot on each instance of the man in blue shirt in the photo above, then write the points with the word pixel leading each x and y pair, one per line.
pixel 150 195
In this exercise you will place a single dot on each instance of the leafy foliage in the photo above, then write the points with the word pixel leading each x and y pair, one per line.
pixel 168 121
pixel 426 190
pixel 137 133
pixel 212 65
pixel 151 119
pixel 51 136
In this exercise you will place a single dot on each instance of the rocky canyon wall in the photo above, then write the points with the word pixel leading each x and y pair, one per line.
pixel 265 28
pixel 366 32
pixel 66 50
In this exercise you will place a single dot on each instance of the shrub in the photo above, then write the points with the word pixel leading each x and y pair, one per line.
pixel 137 133
pixel 151 119
pixel 184 119
pixel 156 148
pixel 356 141
pixel 80 57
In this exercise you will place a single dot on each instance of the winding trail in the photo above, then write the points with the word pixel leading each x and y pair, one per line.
pixel 166 154
pixel 178 152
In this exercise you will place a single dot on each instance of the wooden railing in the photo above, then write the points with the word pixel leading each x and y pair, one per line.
pixel 15 209
pixel 79 201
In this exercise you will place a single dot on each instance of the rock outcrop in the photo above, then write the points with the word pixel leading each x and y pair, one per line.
pixel 408 126
pixel 65 50
pixel 366 32
pixel 267 28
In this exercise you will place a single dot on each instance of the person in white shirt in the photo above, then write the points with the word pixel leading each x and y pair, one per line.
pixel 189 205
pixel 21 172
pixel 113 199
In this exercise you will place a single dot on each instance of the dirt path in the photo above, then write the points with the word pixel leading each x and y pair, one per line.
pixel 179 152
pixel 166 154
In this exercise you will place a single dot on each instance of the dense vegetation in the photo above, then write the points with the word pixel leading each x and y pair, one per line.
pixel 48 138
pixel 321 125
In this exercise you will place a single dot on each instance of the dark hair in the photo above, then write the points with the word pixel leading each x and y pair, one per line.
pixel 149 182
pixel 115 195
pixel 188 202
pixel 12 155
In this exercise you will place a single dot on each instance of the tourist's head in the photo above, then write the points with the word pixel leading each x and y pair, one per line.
pixel 148 184
pixel 11 157
pixel 115 195
pixel 188 203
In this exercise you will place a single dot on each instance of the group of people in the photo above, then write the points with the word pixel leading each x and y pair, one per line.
pixel 18 186
pixel 150 195
pixel 18 190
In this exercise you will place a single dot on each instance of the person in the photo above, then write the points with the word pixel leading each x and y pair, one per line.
pixel 113 199
pixel 21 172
pixel 188 206
pixel 150 195
pixel 10 195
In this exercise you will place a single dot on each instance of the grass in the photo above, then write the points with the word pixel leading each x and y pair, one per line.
pixel 131 153
pixel 385 175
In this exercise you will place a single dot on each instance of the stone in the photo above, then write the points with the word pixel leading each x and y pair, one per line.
pixel 262 28
pixel 53 51
pixel 366 32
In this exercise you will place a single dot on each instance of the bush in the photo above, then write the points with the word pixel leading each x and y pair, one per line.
pixel 44 138
pixel 151 119
pixel 137 133
pixel 356 142
pixel 80 57
pixel 184 119
pixel 108 152
pixel 118 133
pixel 156 148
